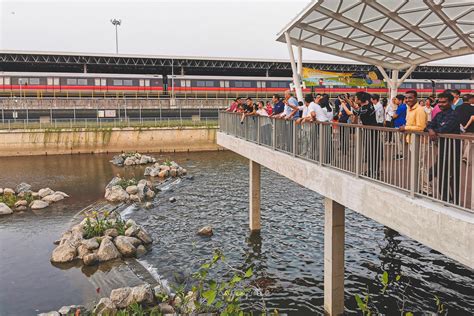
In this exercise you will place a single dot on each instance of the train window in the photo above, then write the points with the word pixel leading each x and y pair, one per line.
pixel 34 81
pixel 238 84
pixel 222 84
pixel 1 80
pixel 209 83
pixel 274 84
pixel 56 81
pixel 147 82
pixel 183 83
pixel 23 81
pixel 128 82
pixel 97 82
pixel 103 82
pixel 117 82
pixel 71 82
pixel 259 84
pixel 82 82
pixel 6 80
pixel 200 83
pixel 247 84
pixel 460 86
pixel 141 82
pixel 49 81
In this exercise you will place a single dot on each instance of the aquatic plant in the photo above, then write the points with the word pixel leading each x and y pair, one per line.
pixel 124 183
pixel 96 225
pixel 9 200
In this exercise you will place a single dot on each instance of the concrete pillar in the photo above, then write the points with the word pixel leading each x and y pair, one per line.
pixel 254 195
pixel 333 257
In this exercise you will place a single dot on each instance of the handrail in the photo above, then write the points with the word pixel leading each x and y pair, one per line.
pixel 442 171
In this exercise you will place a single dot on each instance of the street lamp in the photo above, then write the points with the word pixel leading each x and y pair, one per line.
pixel 116 23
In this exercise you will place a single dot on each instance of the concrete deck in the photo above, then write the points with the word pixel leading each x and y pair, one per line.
pixel 442 228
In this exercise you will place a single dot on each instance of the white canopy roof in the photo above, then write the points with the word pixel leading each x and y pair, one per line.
pixel 388 33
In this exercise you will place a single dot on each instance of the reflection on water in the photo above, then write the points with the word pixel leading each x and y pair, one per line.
pixel 287 255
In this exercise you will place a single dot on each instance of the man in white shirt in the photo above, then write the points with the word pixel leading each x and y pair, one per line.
pixel 379 110
pixel 310 110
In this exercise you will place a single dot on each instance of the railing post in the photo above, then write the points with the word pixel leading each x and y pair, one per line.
pixel 294 138
pixel 470 160
pixel 414 157
pixel 358 151
pixel 274 134
pixel 258 130
pixel 321 143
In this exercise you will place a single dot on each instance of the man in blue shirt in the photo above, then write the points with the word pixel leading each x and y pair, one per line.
pixel 449 150
pixel 400 119
pixel 278 105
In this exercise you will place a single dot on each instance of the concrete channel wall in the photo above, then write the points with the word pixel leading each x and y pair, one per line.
pixel 111 103
pixel 74 141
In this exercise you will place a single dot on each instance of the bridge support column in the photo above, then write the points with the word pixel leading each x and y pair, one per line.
pixel 254 195
pixel 333 257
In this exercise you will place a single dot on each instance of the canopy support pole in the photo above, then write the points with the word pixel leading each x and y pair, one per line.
pixel 394 83
pixel 296 79
pixel 300 61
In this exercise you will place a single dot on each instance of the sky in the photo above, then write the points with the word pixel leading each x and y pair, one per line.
pixel 209 28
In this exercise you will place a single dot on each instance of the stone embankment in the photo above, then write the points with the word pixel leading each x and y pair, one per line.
pixel 100 238
pixel 123 190
pixel 23 198
pixel 132 159
pixel 165 170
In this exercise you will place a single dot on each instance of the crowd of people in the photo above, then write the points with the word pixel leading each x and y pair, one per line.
pixel 446 113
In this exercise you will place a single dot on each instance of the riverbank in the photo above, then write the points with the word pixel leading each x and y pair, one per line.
pixel 105 140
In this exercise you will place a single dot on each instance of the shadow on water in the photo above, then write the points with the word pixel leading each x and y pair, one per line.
pixel 286 256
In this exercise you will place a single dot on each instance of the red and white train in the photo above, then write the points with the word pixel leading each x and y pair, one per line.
pixel 14 84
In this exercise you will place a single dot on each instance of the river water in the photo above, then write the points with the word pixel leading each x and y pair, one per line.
pixel 287 256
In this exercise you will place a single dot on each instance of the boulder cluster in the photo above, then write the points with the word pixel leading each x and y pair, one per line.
pixel 121 190
pixel 132 159
pixel 22 197
pixel 122 298
pixel 74 244
pixel 166 170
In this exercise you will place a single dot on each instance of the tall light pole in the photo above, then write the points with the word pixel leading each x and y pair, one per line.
pixel 116 23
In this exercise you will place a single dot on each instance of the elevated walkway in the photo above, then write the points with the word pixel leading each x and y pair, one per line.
pixel 352 166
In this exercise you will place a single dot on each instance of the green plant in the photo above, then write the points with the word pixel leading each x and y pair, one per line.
pixel 8 199
pixel 124 183
pixel 168 163
pixel 97 224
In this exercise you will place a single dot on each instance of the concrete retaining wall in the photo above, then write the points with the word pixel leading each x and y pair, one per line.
pixel 111 103
pixel 71 141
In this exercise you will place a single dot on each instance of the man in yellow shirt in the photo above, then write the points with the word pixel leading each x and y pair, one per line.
pixel 416 115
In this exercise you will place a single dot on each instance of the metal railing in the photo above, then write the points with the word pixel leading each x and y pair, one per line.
pixel 439 170
pixel 108 123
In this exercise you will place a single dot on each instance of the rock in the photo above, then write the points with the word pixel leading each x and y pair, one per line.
pixel 134 198
pixel 61 193
pixel 65 252
pixel 125 246
pixel 189 177
pixel 184 171
pixel 52 313
pixel 143 294
pixel 90 259
pixel 150 194
pixel 144 160
pixel 117 160
pixel 166 308
pixel 148 170
pixel 141 251
pixel 72 310
pixel 90 244
pixel 8 191
pixel 56 242
pixel 20 208
pixel 205 231
pixel 23 187
pixel 82 251
pixel 142 189
pixel 116 194
pixel 148 205
pixel 130 222
pixel 132 231
pixel 53 198
pixel 120 297
pixel 105 307
pixel 38 204
pixel 44 192
pixel 113 182
pixel 163 173
pixel 107 250
pixel 173 173
pixel 134 241
pixel 112 232
pixel 172 199
pixel 129 161
pixel 21 203
pixel 132 189
pixel 4 209
pixel 165 168
pixel 155 172
pixel 35 195
pixel 144 236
